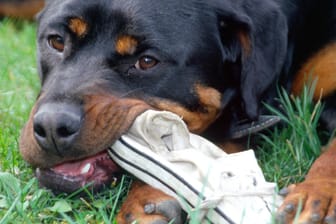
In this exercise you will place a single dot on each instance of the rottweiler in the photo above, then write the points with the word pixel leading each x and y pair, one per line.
pixel 102 63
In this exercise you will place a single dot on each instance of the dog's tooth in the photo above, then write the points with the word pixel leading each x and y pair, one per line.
pixel 86 168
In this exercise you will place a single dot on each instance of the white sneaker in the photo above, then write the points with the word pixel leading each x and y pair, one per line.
pixel 220 187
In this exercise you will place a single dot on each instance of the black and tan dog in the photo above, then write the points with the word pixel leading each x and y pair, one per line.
pixel 213 62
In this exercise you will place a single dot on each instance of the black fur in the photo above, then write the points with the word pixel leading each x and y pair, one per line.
pixel 193 40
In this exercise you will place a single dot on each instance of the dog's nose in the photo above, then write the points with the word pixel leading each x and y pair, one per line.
pixel 56 126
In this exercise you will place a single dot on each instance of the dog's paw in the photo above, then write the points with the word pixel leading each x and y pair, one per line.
pixel 146 205
pixel 310 202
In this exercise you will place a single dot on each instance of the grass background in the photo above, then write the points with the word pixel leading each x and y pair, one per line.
pixel 285 153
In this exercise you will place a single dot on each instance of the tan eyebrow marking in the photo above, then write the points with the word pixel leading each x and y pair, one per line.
pixel 126 45
pixel 78 26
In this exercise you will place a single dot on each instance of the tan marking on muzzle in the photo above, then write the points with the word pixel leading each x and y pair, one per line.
pixel 107 117
pixel 200 119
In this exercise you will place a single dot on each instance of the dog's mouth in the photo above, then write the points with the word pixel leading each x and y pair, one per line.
pixel 96 173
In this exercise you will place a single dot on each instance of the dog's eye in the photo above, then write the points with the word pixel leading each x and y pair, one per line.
pixel 56 42
pixel 146 62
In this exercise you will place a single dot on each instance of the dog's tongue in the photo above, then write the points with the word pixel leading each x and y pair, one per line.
pixel 99 171
pixel 87 166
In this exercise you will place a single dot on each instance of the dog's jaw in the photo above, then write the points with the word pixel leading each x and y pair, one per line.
pixel 95 172
pixel 87 162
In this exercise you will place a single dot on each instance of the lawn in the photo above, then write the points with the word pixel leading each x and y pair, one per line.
pixel 284 153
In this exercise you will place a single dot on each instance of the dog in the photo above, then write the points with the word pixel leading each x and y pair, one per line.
pixel 102 63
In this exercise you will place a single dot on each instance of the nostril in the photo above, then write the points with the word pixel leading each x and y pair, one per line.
pixel 39 130
pixel 64 132
pixel 67 125
pixel 56 126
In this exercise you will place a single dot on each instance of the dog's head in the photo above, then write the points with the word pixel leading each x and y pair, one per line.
pixel 103 62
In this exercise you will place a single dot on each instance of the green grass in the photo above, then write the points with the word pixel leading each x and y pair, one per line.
pixel 285 153
pixel 18 85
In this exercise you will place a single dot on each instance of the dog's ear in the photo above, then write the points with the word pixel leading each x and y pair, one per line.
pixel 254 35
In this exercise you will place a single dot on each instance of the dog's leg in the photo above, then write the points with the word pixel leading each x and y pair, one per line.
pixel 147 205
pixel 316 195
pixel 24 9
pixel 320 68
